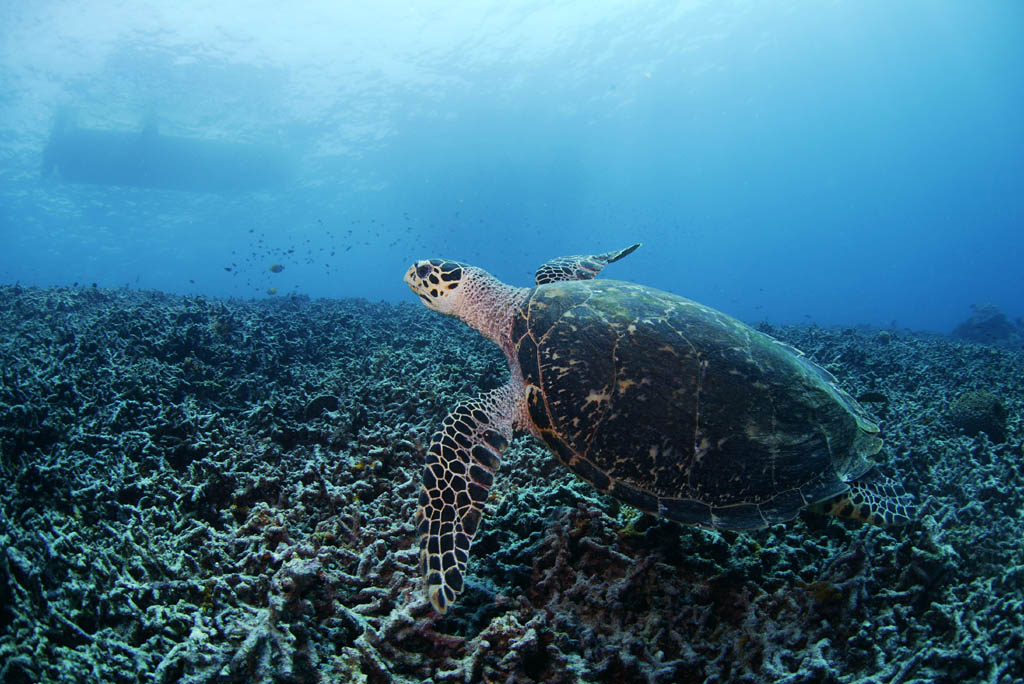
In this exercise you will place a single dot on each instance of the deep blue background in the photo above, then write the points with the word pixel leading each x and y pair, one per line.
pixel 842 162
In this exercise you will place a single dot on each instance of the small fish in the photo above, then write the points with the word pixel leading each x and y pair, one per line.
pixel 272 291
pixel 276 268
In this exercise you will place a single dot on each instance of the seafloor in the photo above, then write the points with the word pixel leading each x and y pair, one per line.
pixel 206 491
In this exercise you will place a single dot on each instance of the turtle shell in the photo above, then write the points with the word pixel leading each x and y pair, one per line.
pixel 683 411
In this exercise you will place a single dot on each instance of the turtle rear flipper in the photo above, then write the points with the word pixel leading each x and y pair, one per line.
pixel 873 498
pixel 460 465
pixel 580 266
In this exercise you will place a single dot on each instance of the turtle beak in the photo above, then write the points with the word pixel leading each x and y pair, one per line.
pixel 418 285
pixel 410 277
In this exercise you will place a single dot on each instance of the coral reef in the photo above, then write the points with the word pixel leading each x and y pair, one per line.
pixel 989 325
pixel 979 411
pixel 217 491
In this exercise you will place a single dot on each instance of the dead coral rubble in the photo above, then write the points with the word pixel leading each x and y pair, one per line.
pixel 205 491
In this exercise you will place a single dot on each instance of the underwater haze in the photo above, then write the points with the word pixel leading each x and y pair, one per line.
pixel 841 162
pixel 236 449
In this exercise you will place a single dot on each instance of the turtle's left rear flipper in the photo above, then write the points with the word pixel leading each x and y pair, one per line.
pixel 873 498
pixel 461 461
pixel 580 266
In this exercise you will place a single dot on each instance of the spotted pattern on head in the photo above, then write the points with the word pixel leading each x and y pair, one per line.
pixel 436 282
pixel 469 293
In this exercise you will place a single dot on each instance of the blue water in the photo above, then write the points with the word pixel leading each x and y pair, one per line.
pixel 839 162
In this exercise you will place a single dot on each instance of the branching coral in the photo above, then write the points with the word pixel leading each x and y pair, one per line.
pixel 183 502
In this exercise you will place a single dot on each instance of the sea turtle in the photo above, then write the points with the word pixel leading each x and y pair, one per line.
pixel 672 407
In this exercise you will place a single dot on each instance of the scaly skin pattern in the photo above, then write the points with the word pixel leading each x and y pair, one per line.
pixel 580 266
pixel 460 466
pixel 874 499
pixel 471 294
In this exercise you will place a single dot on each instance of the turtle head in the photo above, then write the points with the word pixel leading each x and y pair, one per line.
pixel 437 282
pixel 470 294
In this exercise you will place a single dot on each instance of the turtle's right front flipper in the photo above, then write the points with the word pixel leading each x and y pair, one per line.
pixel 580 266
pixel 461 461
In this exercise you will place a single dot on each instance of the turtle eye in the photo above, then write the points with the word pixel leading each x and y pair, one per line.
pixel 424 270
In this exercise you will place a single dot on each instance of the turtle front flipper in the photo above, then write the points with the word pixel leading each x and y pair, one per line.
pixel 461 461
pixel 580 266
pixel 873 498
